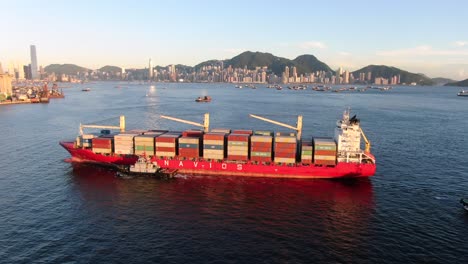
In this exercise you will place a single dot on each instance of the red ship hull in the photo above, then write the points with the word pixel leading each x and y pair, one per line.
pixel 226 168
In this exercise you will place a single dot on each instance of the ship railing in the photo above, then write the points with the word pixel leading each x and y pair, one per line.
pixel 355 156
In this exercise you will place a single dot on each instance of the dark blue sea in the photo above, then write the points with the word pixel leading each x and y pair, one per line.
pixel 54 212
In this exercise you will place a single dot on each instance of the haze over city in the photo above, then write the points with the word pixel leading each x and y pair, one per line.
pixel 423 37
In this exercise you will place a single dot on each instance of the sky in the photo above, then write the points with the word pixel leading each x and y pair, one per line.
pixel 429 37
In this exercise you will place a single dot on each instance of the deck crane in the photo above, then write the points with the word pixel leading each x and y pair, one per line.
pixel 121 126
pixel 205 125
pixel 298 128
pixel 368 144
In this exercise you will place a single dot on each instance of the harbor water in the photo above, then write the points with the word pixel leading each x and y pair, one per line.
pixel 54 212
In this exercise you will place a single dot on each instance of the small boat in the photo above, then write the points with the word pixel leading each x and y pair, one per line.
pixel 144 167
pixel 86 89
pixel 204 99
pixel 462 93
pixel 464 202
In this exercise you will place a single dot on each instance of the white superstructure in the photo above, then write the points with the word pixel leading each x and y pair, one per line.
pixel 348 139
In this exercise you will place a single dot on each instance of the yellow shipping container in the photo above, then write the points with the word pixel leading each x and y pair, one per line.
pixel 285 139
pixel 285 160
pixel 189 140
pixel 165 144
pixel 257 138
pixel 165 154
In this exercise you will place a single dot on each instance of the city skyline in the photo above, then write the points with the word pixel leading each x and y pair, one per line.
pixel 427 38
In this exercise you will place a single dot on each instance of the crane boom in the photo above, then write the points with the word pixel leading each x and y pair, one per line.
pixel 121 127
pixel 368 144
pixel 298 128
pixel 205 125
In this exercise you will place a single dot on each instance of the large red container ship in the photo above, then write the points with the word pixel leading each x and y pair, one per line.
pixel 231 152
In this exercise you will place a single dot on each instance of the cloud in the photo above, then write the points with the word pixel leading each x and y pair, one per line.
pixel 312 45
pixel 423 50
pixel 344 53
pixel 461 43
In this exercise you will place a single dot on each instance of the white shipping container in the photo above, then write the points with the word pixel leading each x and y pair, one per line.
pixel 213 151
pixel 323 157
pixel 213 142
pixel 88 136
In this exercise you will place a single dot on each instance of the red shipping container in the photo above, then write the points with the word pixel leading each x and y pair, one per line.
pixel 282 150
pixel 325 152
pixel 259 149
pixel 166 149
pixel 165 138
pixel 291 146
pixel 241 131
pixel 237 157
pixel 261 144
pixel 325 162
pixel 238 137
pixel 192 133
pixel 189 152
pixel 285 155
pixel 214 136
pixel 264 159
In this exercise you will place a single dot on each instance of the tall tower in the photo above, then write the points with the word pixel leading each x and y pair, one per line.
pixel 150 70
pixel 34 72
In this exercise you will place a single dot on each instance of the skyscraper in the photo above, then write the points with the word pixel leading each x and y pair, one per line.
pixel 34 72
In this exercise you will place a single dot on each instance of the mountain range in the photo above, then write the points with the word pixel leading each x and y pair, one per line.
pixel 251 60
pixel 463 83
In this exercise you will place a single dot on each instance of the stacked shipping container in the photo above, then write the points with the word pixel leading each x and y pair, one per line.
pixel 123 144
pixel 214 145
pixel 190 144
pixel 238 147
pixel 307 149
pixel 166 145
pixel 261 148
pixel 144 144
pixel 102 145
pixel 285 149
pixel 324 151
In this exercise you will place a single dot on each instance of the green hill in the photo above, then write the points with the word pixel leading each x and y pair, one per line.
pixel 463 83
pixel 251 60
pixel 69 69
pixel 442 81
pixel 389 72
pixel 309 63
pixel 109 68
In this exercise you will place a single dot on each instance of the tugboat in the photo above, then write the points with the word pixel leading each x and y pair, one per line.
pixel 144 167
pixel 464 202
pixel 204 99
